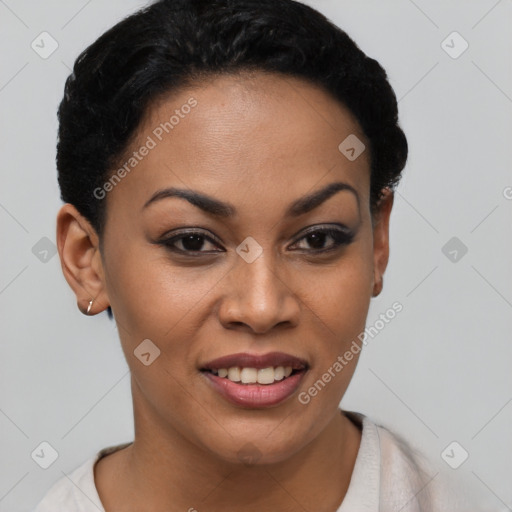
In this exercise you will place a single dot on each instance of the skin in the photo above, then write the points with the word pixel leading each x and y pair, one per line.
pixel 259 142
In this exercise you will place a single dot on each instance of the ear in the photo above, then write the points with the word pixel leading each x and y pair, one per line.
pixel 381 239
pixel 80 258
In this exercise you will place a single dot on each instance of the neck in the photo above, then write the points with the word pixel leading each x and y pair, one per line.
pixel 166 470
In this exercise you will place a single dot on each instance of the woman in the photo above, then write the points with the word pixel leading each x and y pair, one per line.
pixel 227 169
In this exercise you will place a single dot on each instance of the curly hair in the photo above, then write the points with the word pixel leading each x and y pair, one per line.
pixel 170 44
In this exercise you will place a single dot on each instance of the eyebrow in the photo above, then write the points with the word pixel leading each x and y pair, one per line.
pixel 219 208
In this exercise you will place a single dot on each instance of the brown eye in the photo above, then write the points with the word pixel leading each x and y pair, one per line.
pixel 317 239
pixel 190 242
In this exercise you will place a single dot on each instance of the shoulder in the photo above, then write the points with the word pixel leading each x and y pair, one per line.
pixel 401 476
pixel 76 491
pixel 70 491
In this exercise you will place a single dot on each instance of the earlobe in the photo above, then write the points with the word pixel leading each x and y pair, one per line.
pixel 377 287
pixel 381 239
pixel 78 246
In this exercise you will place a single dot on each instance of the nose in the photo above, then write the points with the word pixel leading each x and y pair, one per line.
pixel 258 296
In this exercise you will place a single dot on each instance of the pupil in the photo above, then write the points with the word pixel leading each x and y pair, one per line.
pixel 315 238
pixel 192 242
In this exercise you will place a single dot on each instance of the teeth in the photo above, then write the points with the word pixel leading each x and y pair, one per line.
pixel 279 373
pixel 249 375
pixel 252 375
pixel 234 374
pixel 266 376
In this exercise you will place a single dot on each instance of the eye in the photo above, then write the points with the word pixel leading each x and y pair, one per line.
pixel 192 243
pixel 317 238
pixel 189 242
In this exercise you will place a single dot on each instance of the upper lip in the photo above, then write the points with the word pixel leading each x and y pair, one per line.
pixel 258 361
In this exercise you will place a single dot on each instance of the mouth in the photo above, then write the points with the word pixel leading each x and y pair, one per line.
pixel 254 381
pixel 263 376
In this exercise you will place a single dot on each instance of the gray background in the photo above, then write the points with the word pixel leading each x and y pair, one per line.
pixel 439 372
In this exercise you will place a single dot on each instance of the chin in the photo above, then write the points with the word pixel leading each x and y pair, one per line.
pixel 254 445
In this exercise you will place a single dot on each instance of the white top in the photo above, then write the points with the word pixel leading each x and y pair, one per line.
pixel 388 476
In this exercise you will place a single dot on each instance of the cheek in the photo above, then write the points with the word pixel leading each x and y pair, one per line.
pixel 339 294
pixel 339 300
pixel 338 297
pixel 152 297
pixel 155 300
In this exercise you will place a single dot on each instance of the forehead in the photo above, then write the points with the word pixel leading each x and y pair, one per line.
pixel 249 136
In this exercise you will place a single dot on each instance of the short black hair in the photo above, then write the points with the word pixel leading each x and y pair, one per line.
pixel 173 43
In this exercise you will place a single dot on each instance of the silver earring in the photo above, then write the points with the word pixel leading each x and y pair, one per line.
pixel 90 306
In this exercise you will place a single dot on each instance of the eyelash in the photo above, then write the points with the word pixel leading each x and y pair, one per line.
pixel 339 237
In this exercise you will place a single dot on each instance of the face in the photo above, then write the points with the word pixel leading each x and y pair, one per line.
pixel 270 263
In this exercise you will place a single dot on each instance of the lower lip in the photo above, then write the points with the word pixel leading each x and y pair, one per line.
pixel 255 395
